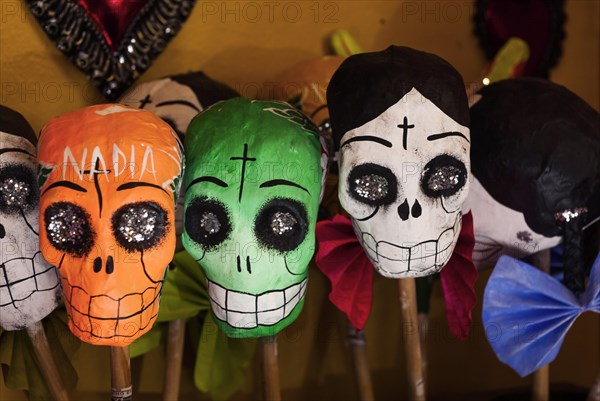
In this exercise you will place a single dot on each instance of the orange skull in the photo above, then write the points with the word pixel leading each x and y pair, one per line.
pixel 109 176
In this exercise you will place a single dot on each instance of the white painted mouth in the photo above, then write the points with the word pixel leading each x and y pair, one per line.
pixel 247 311
pixel 422 259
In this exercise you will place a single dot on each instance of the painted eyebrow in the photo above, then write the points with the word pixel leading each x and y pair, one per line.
pixel 447 134
pixel 273 183
pixel 131 185
pixel 15 150
pixel 369 138
pixel 179 102
pixel 207 178
pixel 65 184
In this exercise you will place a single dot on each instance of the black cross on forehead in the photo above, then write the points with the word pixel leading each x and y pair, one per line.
pixel 405 127
pixel 96 183
pixel 145 101
pixel 244 159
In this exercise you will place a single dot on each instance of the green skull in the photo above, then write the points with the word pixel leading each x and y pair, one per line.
pixel 253 182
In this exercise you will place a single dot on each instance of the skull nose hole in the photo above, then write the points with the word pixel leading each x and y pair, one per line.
pixel 248 264
pixel 403 210
pixel 416 209
pixel 97 265
pixel 110 266
pixel 2 231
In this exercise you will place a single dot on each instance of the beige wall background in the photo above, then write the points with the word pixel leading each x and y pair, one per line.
pixel 231 42
pixel 247 43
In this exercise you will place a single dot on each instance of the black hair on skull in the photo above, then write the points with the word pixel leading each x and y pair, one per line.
pixel 14 123
pixel 535 148
pixel 367 84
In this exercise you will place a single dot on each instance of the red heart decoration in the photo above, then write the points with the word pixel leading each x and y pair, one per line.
pixel 112 17
pixel 112 41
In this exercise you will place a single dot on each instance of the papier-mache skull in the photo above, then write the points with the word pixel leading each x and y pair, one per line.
pixel 253 185
pixel 29 286
pixel 536 152
pixel 400 118
pixel 109 179
pixel 177 99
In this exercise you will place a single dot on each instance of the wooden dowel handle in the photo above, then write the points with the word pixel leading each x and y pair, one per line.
pixel 45 361
pixel 120 374
pixel 175 342
pixel 270 365
pixel 412 343
pixel 356 339
pixel 540 386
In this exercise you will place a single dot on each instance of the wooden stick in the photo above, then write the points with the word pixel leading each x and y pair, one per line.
pixel 270 365
pixel 356 339
pixel 45 361
pixel 540 387
pixel 412 343
pixel 423 332
pixel 174 359
pixel 120 374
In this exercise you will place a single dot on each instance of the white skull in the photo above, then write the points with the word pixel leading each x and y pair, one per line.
pixel 403 178
pixel 29 286
pixel 500 230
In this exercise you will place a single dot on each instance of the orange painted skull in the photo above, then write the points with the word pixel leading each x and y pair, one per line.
pixel 108 178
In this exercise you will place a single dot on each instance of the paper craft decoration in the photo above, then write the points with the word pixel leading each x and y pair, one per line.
pixel 342 259
pixel 540 23
pixel 112 41
pixel 527 313
pixel 400 119
pixel 29 286
pixel 109 179
pixel 253 185
pixel 304 86
pixel 535 152
pixel 178 99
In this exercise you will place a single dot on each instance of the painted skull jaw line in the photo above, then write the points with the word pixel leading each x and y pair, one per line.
pixel 50 272
pixel 263 310
pixel 377 255
pixel 140 325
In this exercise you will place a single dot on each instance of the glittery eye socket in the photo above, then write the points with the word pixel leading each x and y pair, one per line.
pixel 372 184
pixel 207 222
pixel 444 175
pixel 139 226
pixel 18 189
pixel 281 224
pixel 69 228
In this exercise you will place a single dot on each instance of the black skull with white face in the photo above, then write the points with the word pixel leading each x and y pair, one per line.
pixel 400 118
pixel 29 286
pixel 536 163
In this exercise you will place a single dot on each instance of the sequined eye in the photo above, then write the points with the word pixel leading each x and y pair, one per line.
pixel 443 176
pixel 139 226
pixel 207 222
pixel 372 184
pixel 18 189
pixel 281 224
pixel 69 228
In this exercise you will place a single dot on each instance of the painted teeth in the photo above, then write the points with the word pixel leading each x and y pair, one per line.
pixel 246 311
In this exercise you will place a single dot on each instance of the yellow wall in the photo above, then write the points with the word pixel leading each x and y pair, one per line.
pixel 37 80
pixel 245 51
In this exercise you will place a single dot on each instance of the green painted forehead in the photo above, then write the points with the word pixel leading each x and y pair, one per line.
pixel 264 126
